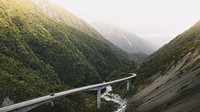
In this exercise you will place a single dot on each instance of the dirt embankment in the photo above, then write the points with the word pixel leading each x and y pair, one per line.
pixel 177 90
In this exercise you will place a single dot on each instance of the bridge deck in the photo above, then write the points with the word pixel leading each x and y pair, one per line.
pixel 44 99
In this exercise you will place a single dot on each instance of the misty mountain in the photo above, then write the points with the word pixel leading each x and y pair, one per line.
pixel 169 79
pixel 128 42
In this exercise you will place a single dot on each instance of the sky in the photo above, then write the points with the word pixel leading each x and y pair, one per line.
pixel 157 21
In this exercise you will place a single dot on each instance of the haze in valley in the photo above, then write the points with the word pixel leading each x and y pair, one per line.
pixel 154 20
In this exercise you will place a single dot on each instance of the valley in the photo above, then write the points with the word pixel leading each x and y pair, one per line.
pixel 46 49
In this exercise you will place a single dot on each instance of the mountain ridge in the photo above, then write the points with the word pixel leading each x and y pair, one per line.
pixel 170 76
pixel 61 14
pixel 129 42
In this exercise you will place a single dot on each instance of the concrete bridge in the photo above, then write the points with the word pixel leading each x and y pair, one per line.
pixel 31 104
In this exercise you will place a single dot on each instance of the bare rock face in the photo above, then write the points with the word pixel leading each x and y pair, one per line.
pixel 173 86
pixel 176 90
pixel 6 102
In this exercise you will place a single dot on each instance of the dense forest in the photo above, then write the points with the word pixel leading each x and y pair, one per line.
pixel 40 55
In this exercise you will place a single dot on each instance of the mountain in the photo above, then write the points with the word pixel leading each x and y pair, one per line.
pixel 169 79
pixel 100 53
pixel 41 55
pixel 60 14
pixel 128 42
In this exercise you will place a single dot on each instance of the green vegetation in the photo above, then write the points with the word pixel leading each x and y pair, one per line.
pixel 40 55
pixel 138 57
pixel 61 15
pixel 121 88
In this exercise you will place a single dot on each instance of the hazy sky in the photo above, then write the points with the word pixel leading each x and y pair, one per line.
pixel 155 20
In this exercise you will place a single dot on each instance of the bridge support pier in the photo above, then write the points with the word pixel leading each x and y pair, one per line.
pixel 99 98
pixel 128 84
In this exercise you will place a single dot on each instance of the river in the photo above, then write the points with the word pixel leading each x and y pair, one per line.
pixel 114 98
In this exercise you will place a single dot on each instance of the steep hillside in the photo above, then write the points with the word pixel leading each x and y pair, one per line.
pixel 62 15
pixel 40 55
pixel 169 80
pixel 49 41
pixel 72 54
pixel 20 66
pixel 128 42
pixel 100 53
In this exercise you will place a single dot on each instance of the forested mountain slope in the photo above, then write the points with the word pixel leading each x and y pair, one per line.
pixel 169 79
pixel 100 53
pixel 62 15
pixel 40 55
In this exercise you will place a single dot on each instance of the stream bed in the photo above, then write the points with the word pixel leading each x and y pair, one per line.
pixel 114 98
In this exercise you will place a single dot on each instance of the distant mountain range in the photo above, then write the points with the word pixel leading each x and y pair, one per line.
pixel 127 41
